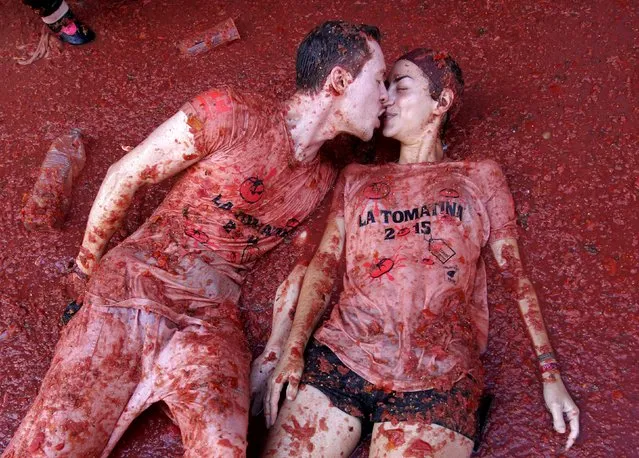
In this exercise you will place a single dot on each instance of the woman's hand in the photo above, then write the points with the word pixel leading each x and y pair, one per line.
pixel 289 370
pixel 559 402
pixel 261 370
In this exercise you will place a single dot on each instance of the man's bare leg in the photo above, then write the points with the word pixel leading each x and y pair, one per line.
pixel 311 426
pixel 418 441
pixel 202 374
pixel 93 373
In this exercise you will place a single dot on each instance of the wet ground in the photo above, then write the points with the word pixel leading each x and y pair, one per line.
pixel 551 95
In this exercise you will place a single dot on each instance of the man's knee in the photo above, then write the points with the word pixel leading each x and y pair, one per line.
pixel 216 436
pixel 49 436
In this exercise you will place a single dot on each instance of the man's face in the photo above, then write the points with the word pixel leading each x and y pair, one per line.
pixel 365 96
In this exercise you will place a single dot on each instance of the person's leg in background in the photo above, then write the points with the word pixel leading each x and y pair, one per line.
pixel 57 15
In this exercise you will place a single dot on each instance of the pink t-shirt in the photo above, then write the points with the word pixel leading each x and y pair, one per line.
pixel 244 197
pixel 413 314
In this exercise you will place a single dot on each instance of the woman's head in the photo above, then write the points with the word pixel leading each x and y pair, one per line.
pixel 425 89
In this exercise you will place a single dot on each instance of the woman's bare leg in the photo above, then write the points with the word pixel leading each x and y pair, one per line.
pixel 418 440
pixel 311 426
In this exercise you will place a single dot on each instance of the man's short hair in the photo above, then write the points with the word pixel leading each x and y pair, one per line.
pixel 331 44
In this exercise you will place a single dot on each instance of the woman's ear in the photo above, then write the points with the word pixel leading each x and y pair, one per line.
pixel 445 101
pixel 338 80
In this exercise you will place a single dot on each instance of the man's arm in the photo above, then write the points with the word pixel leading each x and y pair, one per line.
pixel 558 400
pixel 314 296
pixel 166 152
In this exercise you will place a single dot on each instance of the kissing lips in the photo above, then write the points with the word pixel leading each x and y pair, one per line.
pixel 388 117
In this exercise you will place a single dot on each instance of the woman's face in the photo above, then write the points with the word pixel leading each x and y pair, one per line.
pixel 409 112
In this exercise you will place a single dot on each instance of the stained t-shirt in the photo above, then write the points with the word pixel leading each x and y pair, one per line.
pixel 413 313
pixel 246 195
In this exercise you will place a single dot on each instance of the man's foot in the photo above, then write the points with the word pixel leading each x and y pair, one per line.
pixel 72 31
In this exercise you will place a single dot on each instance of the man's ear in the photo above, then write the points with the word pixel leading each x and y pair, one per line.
pixel 338 80
pixel 445 101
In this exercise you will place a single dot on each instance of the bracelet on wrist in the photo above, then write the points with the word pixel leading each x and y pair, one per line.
pixel 551 367
pixel 548 363
pixel 546 356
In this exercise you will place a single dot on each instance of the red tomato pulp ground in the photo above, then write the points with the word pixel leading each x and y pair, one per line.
pixel 551 95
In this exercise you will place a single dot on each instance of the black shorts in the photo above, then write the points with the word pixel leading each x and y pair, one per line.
pixel 455 409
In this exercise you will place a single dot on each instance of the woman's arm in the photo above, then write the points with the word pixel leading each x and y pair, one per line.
pixel 283 312
pixel 558 401
pixel 314 296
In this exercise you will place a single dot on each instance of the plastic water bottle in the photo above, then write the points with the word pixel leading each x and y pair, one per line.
pixel 47 204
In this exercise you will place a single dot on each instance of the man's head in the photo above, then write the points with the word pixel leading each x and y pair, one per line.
pixel 332 44
pixel 345 61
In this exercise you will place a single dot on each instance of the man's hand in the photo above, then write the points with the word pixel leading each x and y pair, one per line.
pixel 261 370
pixel 289 370
pixel 75 282
pixel 559 402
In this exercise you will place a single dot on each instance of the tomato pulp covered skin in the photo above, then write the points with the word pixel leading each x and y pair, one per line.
pixel 533 103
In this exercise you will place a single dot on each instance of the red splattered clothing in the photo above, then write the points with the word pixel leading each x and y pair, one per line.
pixel 159 320
pixel 111 363
pixel 413 314
pixel 241 200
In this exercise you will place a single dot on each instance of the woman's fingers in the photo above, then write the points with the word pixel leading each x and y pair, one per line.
pixel 293 387
pixel 261 371
pixel 254 380
pixel 573 419
pixel 273 399
pixel 267 407
pixel 558 418
pixel 559 402
pixel 257 403
pixel 291 374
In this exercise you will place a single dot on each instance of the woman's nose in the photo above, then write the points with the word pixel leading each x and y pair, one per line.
pixel 388 100
pixel 383 96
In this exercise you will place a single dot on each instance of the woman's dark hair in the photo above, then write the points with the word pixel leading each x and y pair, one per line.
pixel 330 44
pixel 442 73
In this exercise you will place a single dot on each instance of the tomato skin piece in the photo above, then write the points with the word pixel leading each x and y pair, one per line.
pixel 449 192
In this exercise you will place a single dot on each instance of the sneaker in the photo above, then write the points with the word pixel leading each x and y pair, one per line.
pixel 71 309
pixel 72 31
